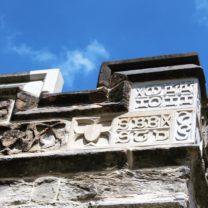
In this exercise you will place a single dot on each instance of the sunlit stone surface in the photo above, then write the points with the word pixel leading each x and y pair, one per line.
pixel 138 140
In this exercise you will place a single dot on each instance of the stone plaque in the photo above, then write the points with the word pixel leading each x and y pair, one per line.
pixel 155 128
pixel 169 127
pixel 164 95
pixel 143 130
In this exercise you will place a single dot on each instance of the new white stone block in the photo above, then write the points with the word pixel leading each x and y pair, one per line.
pixel 33 87
pixel 52 83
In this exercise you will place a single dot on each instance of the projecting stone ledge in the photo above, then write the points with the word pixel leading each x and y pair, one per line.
pixel 138 140
pixel 20 165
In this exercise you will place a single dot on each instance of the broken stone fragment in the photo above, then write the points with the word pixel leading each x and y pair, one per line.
pixel 4 103
pixel 3 112
pixel 25 101
pixel 10 137
pixel 47 140
pixel 32 137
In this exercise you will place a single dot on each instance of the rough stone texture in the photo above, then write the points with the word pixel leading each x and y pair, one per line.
pixel 121 93
pixel 6 108
pixel 149 69
pixel 92 189
pixel 33 137
pixel 25 101
pixel 73 98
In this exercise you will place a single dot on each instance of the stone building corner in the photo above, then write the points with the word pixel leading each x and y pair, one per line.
pixel 138 140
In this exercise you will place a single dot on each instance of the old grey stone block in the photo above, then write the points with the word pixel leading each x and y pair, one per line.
pixel 45 189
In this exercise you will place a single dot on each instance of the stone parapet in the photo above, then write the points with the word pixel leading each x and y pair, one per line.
pixel 138 140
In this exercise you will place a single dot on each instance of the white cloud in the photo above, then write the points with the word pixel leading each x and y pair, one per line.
pixel 84 61
pixel 35 55
pixel 201 13
pixel 71 62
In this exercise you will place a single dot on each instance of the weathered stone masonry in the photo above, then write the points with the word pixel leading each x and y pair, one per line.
pixel 139 140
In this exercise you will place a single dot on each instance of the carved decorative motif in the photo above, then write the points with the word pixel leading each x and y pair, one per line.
pixel 90 132
pixel 32 137
pixel 142 129
pixel 163 95
pixel 183 125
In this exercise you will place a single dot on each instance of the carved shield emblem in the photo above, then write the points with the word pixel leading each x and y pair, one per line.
pixel 92 132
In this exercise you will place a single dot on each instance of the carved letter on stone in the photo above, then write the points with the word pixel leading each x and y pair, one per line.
pixel 184 121
pixel 161 135
pixel 140 136
pixel 123 137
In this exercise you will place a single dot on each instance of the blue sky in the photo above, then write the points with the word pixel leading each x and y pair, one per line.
pixel 78 35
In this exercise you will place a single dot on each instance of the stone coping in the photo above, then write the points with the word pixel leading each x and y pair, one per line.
pixel 71 111
pixel 108 68
pixel 72 98
pixel 153 68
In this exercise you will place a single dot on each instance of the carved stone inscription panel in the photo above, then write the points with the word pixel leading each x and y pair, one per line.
pixel 165 94
pixel 143 129
pixel 156 128
pixel 131 129
pixel 134 129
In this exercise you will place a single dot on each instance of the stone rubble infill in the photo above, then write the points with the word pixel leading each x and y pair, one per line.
pixel 100 189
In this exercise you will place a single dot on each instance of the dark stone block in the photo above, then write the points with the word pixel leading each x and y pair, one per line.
pixel 73 98
pixel 61 163
pixel 25 101
pixel 158 157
